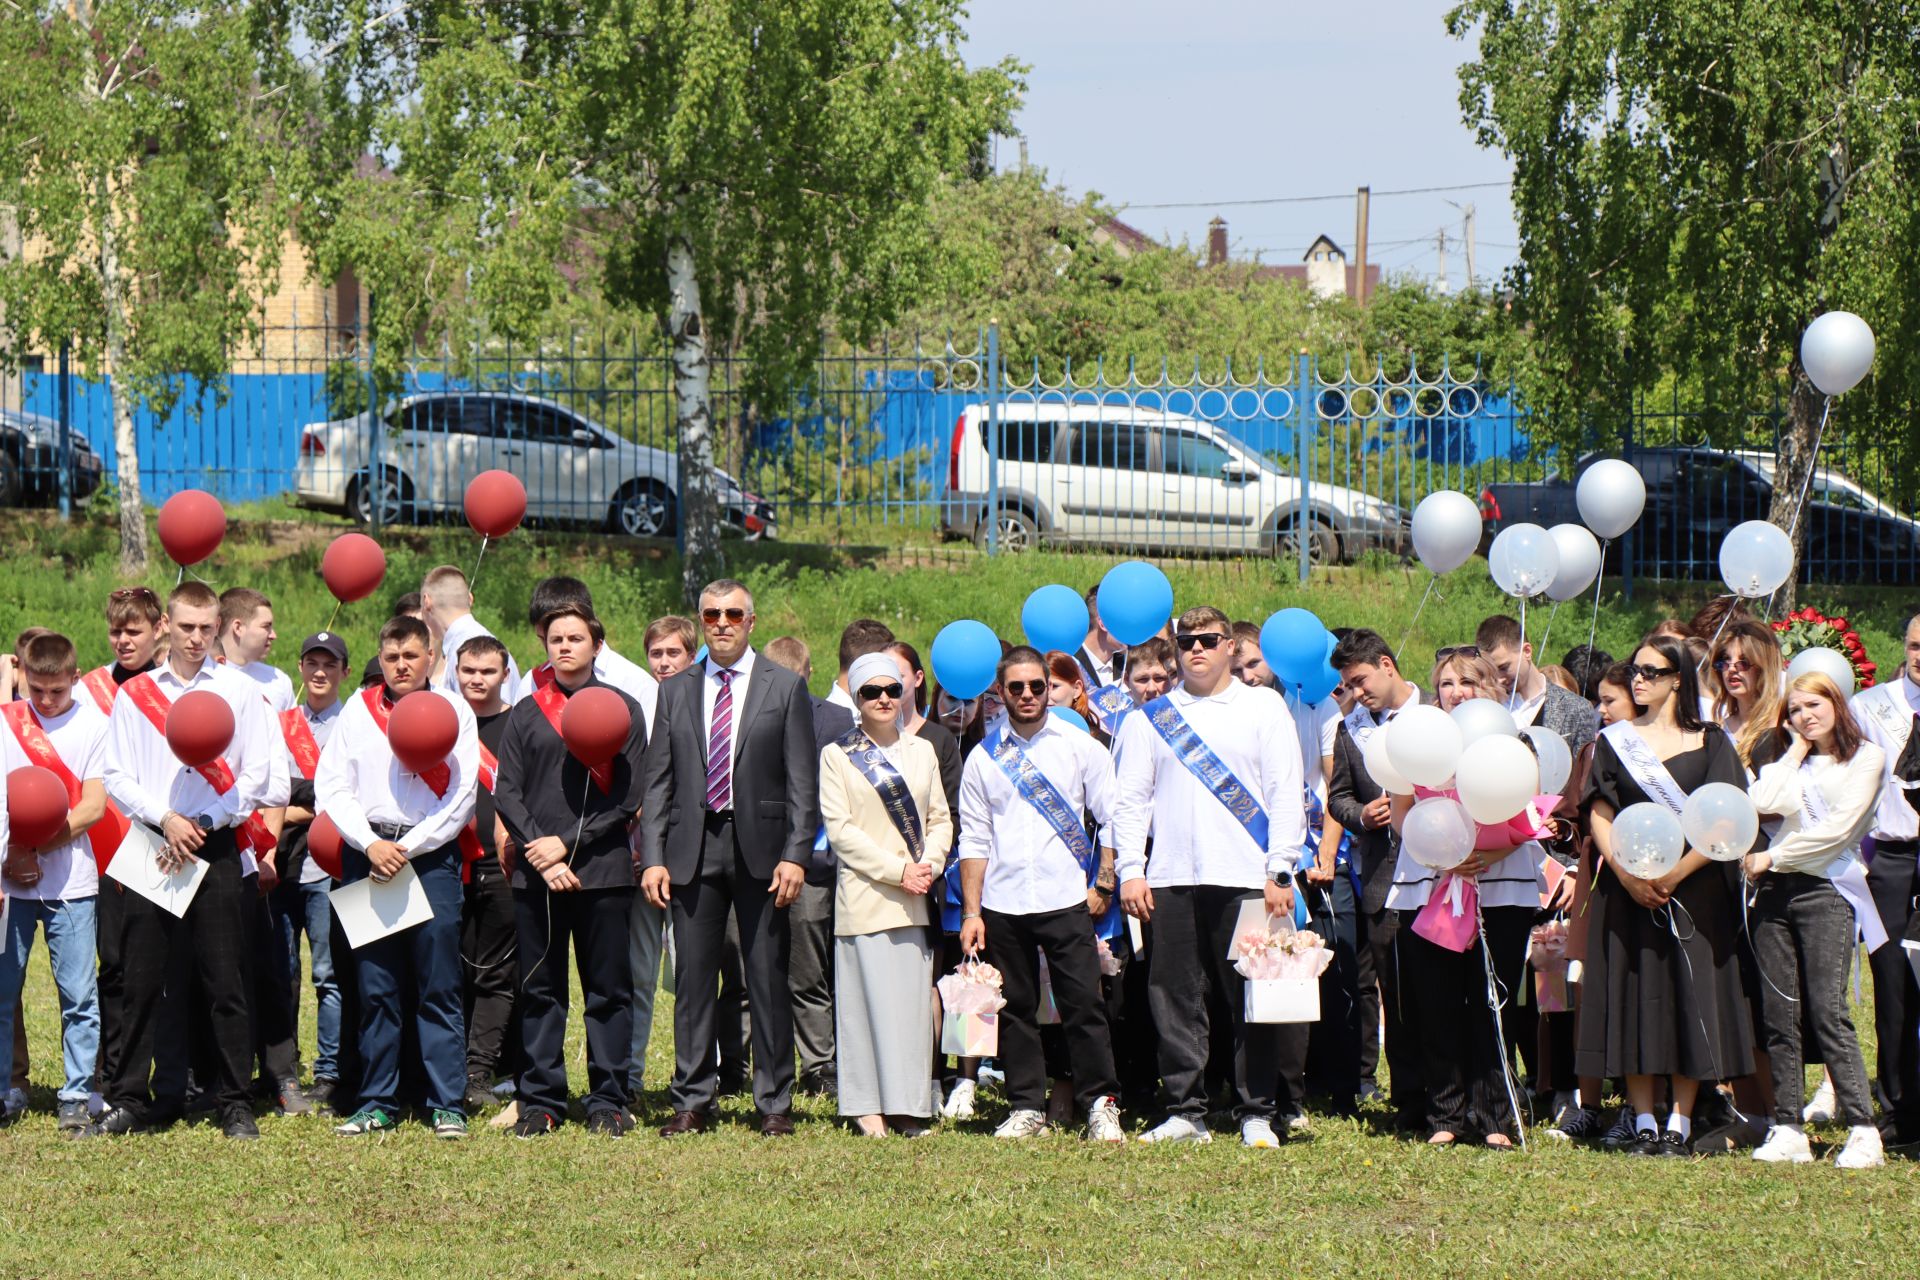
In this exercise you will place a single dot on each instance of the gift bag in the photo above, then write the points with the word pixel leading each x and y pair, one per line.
pixel 969 1035
pixel 1547 952
pixel 970 1004
pixel 1046 1012
pixel 1283 1000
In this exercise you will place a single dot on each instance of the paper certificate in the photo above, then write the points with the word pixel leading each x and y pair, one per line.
pixel 370 911
pixel 136 864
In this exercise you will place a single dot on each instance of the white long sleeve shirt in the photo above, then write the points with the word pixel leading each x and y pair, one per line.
pixel 360 783
pixel 79 738
pixel 1885 716
pixel 147 780
pixel 1195 839
pixel 1030 869
pixel 1850 792
pixel 458 632
pixel 630 678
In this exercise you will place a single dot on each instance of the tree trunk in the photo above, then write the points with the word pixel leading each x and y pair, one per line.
pixel 701 557
pixel 1793 464
pixel 126 447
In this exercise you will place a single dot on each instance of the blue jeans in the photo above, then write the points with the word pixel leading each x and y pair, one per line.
pixel 312 914
pixel 426 959
pixel 70 944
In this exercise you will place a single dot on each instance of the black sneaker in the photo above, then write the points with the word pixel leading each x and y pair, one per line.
pixel 236 1121
pixel 114 1122
pixel 1673 1145
pixel 321 1093
pixel 609 1121
pixel 1583 1124
pixel 292 1100
pixel 535 1124
pixel 479 1097
pixel 1645 1143
pixel 1621 1136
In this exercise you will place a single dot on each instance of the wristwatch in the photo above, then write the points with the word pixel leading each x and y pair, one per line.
pixel 1282 879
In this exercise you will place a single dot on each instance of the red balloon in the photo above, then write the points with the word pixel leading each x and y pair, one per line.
pixel 422 731
pixel 595 725
pixel 36 806
pixel 324 843
pixel 199 727
pixel 192 526
pixel 354 566
pixel 496 503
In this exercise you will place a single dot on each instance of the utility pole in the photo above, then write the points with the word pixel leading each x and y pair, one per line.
pixel 1362 199
pixel 1468 229
pixel 1440 242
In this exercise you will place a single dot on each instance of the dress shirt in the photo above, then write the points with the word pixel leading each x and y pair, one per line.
pixel 1851 792
pixel 1528 712
pixel 710 689
pixel 630 678
pixel 1196 841
pixel 321 723
pixel 146 779
pixel 1317 726
pixel 458 632
pixel 360 783
pixel 276 686
pixel 1029 867
pixel 839 697
pixel 1885 716
pixel 79 737
pixel 542 790
pixel 1517 880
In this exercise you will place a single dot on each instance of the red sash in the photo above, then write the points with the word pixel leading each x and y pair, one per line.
pixel 104 835
pixel 552 701
pixel 542 675
pixel 99 683
pixel 154 705
pixel 300 741
pixel 440 776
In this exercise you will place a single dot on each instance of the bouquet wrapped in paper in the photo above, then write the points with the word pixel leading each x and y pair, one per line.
pixel 970 1004
pixel 1109 963
pixel 1262 956
pixel 1549 954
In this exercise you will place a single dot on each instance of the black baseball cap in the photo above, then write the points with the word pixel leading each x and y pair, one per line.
pixel 326 642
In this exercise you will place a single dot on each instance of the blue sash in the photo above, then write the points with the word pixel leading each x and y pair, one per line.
pixel 874 765
pixel 1036 790
pixel 1203 764
pixel 1111 703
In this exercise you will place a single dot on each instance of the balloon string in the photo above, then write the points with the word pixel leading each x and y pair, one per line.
pixel 1433 580
pixel 1813 462
pixel 1495 1002
pixel 475 575
pixel 1551 615
pixel 1593 624
pixel 1513 689
pixel 181 576
pixel 334 616
pixel 1716 637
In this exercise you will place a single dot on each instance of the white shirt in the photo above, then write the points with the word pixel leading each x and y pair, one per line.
pixel 1851 792
pixel 459 631
pixel 359 782
pixel 321 724
pixel 1029 867
pixel 1196 840
pixel 1517 880
pixel 1102 672
pixel 1317 726
pixel 631 679
pixel 146 779
pixel 79 737
pixel 1885 716
pixel 836 696
pixel 710 689
pixel 1525 713
pixel 276 686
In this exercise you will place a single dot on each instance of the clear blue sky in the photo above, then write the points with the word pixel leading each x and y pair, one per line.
pixel 1162 101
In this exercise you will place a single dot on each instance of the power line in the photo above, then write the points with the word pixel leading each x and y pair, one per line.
pixel 1344 195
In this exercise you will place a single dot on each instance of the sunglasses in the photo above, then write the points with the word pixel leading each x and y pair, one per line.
pixel 1208 640
pixel 1457 651
pixel 712 616
pixel 1038 688
pixel 868 692
pixel 1734 665
pixel 132 593
pixel 1649 672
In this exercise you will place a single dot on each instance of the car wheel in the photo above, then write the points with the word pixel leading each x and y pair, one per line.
pixel 644 510
pixel 393 493
pixel 1323 545
pixel 1017 530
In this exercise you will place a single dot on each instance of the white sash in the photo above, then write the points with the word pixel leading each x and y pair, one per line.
pixel 1888 704
pixel 1848 873
pixel 1646 768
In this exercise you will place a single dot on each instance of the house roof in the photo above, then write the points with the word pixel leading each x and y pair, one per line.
pixel 1322 239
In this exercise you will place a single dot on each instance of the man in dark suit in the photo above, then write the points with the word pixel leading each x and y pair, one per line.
pixel 732 804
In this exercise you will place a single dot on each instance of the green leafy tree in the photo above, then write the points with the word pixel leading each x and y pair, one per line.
pixel 136 156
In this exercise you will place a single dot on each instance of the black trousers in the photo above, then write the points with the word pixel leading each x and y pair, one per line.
pixel 1334 1042
pixel 1463 1051
pixel 725 889
pixel 120 931
pixel 273 992
pixel 1896 1000
pixel 1014 945
pixel 487 936
pixel 595 921
pixel 1378 964
pixel 210 943
pixel 1187 967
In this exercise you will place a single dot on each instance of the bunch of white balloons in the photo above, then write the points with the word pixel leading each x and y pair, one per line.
pixel 1718 819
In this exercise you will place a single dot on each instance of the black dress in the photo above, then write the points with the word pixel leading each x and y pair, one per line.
pixel 1663 993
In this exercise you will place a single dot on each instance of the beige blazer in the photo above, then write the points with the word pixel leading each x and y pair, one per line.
pixel 872 854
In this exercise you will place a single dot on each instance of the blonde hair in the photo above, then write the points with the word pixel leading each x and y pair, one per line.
pixel 1484 676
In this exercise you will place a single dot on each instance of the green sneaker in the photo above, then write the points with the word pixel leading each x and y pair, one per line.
pixel 364 1121
pixel 449 1124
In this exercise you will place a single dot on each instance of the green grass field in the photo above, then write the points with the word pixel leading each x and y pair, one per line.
pixel 1348 1200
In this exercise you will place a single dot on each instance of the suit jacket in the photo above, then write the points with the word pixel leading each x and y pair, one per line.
pixel 1569 715
pixel 831 722
pixel 1350 790
pixel 776 801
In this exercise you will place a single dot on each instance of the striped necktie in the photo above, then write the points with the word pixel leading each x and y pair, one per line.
pixel 720 747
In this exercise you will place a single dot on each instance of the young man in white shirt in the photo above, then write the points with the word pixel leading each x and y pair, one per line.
pixel 246 638
pixel 1213 770
pixel 197 812
pixel 55 886
pixel 391 819
pixel 446 606
pixel 858 638
pixel 1024 858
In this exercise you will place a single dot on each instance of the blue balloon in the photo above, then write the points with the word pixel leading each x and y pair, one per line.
pixel 1294 643
pixel 1072 717
pixel 1135 602
pixel 1055 617
pixel 1321 685
pixel 965 655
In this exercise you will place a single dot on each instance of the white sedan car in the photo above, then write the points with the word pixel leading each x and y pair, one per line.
pixel 575 470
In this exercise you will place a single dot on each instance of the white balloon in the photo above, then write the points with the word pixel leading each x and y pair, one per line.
pixel 1437 833
pixel 1423 745
pixel 1556 759
pixel 1755 559
pixel 1579 561
pixel 1497 777
pixel 1380 769
pixel 1483 718
pixel 1720 821
pixel 1837 350
pixel 1829 662
pixel 1610 496
pixel 1647 840
pixel 1446 530
pixel 1523 560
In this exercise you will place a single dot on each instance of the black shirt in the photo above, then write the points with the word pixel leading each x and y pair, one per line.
pixel 492 728
pixel 541 787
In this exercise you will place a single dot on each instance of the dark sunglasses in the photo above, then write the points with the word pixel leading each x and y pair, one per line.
pixel 1014 688
pixel 1208 640
pixel 1649 672
pixel 132 593
pixel 868 692
pixel 1456 651
pixel 712 616
pixel 1732 664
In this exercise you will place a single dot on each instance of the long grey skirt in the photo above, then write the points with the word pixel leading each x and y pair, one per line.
pixel 883 1022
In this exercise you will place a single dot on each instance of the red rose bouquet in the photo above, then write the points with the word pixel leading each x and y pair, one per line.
pixel 1808 628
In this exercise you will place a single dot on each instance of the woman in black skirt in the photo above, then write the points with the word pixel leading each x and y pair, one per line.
pixel 1663 975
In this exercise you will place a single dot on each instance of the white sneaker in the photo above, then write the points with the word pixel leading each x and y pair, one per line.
pixel 1022 1124
pixel 1178 1129
pixel 992 1075
pixel 1103 1121
pixel 1819 1108
pixel 939 1099
pixel 1298 1122
pixel 1786 1146
pixel 959 1104
pixel 1862 1150
pixel 1259 1134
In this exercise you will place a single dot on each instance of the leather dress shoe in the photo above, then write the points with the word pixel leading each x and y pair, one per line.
pixel 778 1125
pixel 684 1122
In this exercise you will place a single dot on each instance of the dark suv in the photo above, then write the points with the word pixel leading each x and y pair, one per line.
pixel 30 461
